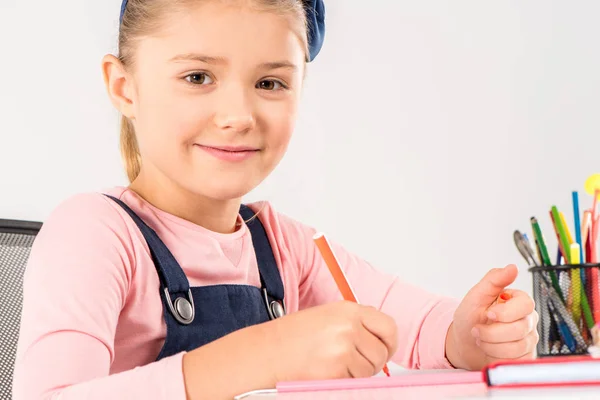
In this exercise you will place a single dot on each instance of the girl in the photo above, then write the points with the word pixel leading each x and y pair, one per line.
pixel 170 288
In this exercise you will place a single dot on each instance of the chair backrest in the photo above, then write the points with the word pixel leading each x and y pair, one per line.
pixel 16 238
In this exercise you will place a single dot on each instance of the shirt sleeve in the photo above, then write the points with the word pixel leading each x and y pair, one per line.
pixel 75 285
pixel 422 318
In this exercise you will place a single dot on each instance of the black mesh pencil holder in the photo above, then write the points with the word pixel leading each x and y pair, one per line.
pixel 567 299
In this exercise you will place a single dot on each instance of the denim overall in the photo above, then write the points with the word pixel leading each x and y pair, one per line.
pixel 196 316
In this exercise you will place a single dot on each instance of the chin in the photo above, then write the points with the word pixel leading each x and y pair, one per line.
pixel 225 190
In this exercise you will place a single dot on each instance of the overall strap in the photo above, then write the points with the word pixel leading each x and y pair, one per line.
pixel 270 279
pixel 170 273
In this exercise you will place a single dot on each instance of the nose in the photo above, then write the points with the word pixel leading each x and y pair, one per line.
pixel 234 110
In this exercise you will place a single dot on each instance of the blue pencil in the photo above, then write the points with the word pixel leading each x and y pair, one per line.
pixel 578 233
pixel 563 329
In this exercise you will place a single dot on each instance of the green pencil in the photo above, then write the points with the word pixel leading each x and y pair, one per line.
pixel 562 235
pixel 587 313
pixel 537 232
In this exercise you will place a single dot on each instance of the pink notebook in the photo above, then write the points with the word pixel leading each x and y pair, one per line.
pixel 404 380
pixel 419 379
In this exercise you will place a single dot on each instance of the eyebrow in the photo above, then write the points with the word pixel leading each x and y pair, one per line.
pixel 278 65
pixel 199 57
pixel 221 61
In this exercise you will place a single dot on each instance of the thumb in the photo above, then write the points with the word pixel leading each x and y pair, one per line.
pixel 493 283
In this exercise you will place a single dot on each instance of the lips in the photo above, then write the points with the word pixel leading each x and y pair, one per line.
pixel 229 153
pixel 231 149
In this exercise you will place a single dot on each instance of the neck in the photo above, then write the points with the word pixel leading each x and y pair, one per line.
pixel 213 214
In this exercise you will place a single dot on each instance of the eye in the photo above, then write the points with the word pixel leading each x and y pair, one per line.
pixel 199 78
pixel 270 84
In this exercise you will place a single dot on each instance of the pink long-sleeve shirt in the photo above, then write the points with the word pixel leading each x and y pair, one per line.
pixel 92 323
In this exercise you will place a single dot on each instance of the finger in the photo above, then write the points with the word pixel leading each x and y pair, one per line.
pixel 500 332
pixel 515 292
pixel 510 350
pixel 372 348
pixel 382 326
pixel 491 285
pixel 528 356
pixel 360 366
pixel 513 310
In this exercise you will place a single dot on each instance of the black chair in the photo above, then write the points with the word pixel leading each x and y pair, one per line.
pixel 16 238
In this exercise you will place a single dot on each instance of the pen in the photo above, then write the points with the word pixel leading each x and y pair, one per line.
pixel 528 244
pixel 338 274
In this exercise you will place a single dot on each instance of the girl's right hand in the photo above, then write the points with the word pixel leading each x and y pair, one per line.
pixel 337 340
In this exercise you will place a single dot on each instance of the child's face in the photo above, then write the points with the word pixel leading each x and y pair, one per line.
pixel 220 77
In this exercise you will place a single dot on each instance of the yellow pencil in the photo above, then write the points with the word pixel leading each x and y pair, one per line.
pixel 573 296
pixel 567 230
pixel 576 284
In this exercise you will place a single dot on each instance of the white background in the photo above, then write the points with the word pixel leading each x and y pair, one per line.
pixel 430 129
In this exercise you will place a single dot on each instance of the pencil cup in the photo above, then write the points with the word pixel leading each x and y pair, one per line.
pixel 567 300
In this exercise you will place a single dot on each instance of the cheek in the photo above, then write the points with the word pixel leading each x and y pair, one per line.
pixel 282 124
pixel 170 122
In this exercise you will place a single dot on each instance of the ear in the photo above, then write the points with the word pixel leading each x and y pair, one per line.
pixel 119 85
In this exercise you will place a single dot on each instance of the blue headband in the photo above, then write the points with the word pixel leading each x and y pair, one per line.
pixel 315 15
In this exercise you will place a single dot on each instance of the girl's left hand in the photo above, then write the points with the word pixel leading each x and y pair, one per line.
pixel 485 331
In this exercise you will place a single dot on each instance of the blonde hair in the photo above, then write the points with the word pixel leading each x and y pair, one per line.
pixel 143 17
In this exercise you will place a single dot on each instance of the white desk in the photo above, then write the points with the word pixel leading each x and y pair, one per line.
pixel 452 392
